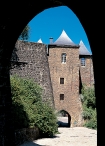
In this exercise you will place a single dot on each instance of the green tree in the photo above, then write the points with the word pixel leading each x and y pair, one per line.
pixel 89 107
pixel 25 33
pixel 23 36
pixel 28 108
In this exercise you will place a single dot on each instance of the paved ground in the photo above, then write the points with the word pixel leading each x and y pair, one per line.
pixel 78 136
pixel 63 119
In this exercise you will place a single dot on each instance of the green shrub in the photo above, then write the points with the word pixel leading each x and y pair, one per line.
pixel 28 108
pixel 46 120
pixel 89 107
pixel 91 124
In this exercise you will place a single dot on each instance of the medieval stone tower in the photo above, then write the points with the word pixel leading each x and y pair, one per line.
pixel 63 57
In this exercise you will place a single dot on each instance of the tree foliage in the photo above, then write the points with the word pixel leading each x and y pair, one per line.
pixel 89 107
pixel 25 33
pixel 28 108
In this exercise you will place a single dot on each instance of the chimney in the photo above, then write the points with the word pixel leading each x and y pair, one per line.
pixel 51 40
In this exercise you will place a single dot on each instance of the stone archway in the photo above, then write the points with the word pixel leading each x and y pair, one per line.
pixel 11 25
pixel 64 119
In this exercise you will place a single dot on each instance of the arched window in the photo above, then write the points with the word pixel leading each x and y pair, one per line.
pixel 63 57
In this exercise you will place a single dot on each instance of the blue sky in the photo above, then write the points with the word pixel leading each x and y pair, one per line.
pixel 51 22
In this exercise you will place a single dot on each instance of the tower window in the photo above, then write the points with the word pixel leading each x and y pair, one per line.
pixel 63 57
pixel 61 80
pixel 82 61
pixel 61 96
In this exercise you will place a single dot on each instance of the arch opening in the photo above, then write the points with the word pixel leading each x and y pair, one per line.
pixel 64 119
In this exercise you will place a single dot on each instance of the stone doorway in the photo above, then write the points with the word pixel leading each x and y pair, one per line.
pixel 64 119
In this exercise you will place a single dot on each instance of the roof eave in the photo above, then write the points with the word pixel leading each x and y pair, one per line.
pixel 85 54
pixel 63 45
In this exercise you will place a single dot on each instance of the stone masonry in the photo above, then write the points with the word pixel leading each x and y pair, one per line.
pixel 70 72
pixel 32 62
pixel 86 72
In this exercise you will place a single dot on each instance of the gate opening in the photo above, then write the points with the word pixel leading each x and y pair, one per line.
pixel 64 119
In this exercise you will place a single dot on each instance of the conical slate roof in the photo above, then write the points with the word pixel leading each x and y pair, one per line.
pixel 83 50
pixel 39 41
pixel 64 40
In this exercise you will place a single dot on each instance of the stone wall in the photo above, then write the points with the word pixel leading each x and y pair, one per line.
pixel 70 72
pixel 29 60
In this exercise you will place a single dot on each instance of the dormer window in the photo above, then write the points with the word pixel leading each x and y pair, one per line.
pixel 63 58
pixel 82 61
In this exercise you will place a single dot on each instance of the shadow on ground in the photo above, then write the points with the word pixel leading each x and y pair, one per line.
pixel 62 124
pixel 31 144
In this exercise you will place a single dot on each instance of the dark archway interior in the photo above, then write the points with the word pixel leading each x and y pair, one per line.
pixel 17 15
pixel 64 119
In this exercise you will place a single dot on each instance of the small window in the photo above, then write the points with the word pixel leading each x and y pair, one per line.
pixel 61 80
pixel 82 61
pixel 61 96
pixel 63 57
